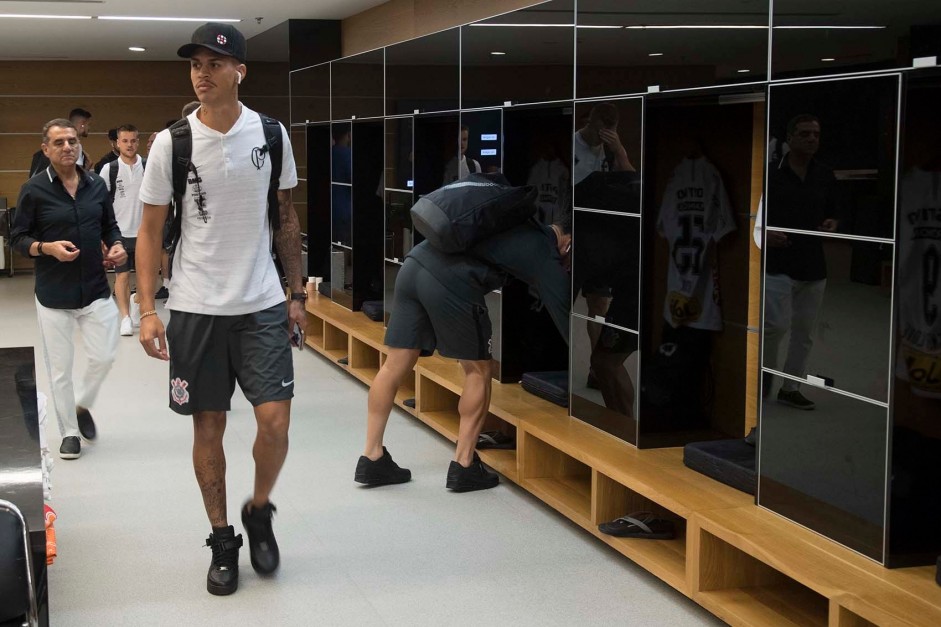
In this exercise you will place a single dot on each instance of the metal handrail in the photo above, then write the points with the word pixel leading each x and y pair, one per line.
pixel 33 615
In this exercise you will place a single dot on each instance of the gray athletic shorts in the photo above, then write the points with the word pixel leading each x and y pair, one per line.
pixel 208 354
pixel 426 315
pixel 130 245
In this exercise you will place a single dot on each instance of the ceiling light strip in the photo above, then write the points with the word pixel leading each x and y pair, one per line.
pixel 134 18
pixel 45 17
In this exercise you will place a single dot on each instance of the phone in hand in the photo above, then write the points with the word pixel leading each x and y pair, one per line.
pixel 297 337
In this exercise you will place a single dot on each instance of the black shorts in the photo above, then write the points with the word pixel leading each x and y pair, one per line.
pixel 426 315
pixel 208 354
pixel 130 245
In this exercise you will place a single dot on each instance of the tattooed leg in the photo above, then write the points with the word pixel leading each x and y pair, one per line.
pixel 209 463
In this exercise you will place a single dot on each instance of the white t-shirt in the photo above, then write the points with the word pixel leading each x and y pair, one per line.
pixel 222 264
pixel 551 180
pixel 457 170
pixel 695 213
pixel 919 250
pixel 588 159
pixel 128 207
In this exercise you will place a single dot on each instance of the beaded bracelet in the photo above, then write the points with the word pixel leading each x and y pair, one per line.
pixel 152 312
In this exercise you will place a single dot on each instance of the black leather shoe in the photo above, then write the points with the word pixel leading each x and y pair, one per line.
pixel 383 471
pixel 474 477
pixel 223 577
pixel 262 546
pixel 86 424
pixel 71 447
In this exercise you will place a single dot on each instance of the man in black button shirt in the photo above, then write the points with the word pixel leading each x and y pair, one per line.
pixel 64 220
pixel 81 120
pixel 801 196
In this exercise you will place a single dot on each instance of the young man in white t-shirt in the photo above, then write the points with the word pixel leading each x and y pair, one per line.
pixel 228 317
pixel 591 141
pixel 127 210
pixel 461 166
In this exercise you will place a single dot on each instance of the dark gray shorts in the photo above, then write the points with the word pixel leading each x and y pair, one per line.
pixel 130 245
pixel 208 354
pixel 426 315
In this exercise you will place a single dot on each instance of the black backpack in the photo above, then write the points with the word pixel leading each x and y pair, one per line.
pixel 455 217
pixel 113 174
pixel 182 165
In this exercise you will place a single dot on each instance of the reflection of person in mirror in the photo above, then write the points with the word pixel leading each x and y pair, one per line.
pixel 551 178
pixel 801 196
pixel 597 145
pixel 461 166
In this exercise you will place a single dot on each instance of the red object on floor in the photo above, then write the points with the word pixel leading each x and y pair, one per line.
pixel 50 516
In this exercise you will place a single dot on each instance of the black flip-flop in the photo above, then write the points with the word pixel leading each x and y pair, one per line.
pixel 640 525
pixel 495 439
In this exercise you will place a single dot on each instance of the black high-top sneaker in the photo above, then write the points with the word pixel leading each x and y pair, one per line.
pixel 223 577
pixel 474 477
pixel 383 471
pixel 262 545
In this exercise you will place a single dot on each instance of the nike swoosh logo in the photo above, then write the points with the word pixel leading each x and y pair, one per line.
pixel 284 385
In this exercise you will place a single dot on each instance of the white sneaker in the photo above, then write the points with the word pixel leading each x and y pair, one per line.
pixel 135 313
pixel 126 328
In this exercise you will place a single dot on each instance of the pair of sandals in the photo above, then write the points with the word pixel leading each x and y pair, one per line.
pixel 495 440
pixel 640 525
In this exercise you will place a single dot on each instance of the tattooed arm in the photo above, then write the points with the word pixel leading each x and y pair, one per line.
pixel 287 240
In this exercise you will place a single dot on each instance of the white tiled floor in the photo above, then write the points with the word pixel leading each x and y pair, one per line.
pixel 131 522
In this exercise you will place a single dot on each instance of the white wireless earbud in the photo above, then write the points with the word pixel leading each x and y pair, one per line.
pixel 238 78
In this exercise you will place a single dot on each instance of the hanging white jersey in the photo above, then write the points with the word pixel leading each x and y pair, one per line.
pixel 551 180
pixel 694 215
pixel 919 276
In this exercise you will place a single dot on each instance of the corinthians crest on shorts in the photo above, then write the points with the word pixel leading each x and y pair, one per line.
pixel 178 391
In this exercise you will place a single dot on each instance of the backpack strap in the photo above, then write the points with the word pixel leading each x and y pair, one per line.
pixel 113 178
pixel 181 136
pixel 275 149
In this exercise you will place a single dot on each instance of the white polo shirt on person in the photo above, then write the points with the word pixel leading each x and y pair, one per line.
pixel 128 207
pixel 222 265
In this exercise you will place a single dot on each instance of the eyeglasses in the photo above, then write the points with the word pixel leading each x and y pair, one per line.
pixel 259 155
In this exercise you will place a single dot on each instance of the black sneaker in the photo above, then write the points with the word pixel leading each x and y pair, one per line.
pixel 262 546
pixel 223 577
pixel 383 471
pixel 86 424
pixel 795 399
pixel 71 447
pixel 474 477
pixel 162 293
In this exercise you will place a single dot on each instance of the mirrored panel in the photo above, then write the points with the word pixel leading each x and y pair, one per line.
pixel 399 154
pixel 436 143
pixel 842 36
pixel 391 273
pixel 481 144
pixel 605 267
pixel 818 306
pixel 310 94
pixel 832 156
pixel 606 155
pixel 341 152
pixel 915 506
pixel 537 150
pixel 341 276
pixel 422 75
pixel 357 86
pixel 342 214
pixel 603 381
pixel 629 47
pixel 519 57
pixel 399 232
pixel 319 200
pixel 827 469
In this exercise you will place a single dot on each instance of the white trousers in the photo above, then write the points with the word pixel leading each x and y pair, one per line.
pixel 793 306
pixel 98 323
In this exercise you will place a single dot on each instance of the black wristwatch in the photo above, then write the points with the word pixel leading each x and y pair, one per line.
pixel 300 296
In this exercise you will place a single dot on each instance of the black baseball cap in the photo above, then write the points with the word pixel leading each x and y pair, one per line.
pixel 222 38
